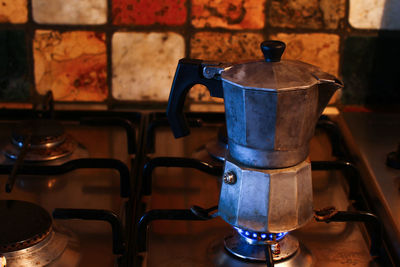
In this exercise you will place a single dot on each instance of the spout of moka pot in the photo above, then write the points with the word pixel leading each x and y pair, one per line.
pixel 328 84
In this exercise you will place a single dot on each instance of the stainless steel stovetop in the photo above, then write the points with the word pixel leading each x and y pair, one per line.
pixel 92 183
pixel 168 177
pixel 201 243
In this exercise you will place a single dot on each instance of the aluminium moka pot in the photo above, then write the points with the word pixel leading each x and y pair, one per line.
pixel 271 109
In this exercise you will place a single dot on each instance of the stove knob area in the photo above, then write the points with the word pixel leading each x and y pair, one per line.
pixel 393 159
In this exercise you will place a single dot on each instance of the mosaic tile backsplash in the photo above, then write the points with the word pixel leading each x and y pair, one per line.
pixel 126 51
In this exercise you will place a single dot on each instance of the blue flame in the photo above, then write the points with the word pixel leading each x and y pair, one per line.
pixel 260 236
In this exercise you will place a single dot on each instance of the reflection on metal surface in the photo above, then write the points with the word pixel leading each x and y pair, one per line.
pixel 239 247
pixel 267 200
pixel 47 141
pixel 199 244
pixel 46 253
pixel 29 237
pixel 372 136
pixel 63 183
pixel 60 150
pixel 221 258
pixel 217 150
pixel 29 183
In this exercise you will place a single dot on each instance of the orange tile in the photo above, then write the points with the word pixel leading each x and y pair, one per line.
pixel 71 64
pixel 147 12
pixel 235 14
pixel 13 11
pixel 319 49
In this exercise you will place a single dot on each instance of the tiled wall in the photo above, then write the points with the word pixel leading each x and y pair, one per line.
pixel 122 51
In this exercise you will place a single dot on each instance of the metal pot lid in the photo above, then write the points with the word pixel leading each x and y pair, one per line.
pixel 273 74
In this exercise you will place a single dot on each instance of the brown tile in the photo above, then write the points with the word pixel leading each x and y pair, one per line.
pixel 147 12
pixel 312 14
pixel 225 47
pixel 234 14
pixel 13 11
pixel 14 68
pixel 71 64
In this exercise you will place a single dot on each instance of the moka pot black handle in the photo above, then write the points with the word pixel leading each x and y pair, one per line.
pixel 188 73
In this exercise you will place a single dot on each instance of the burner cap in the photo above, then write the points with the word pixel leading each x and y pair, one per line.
pixel 43 133
pixel 238 246
pixel 23 224
pixel 48 141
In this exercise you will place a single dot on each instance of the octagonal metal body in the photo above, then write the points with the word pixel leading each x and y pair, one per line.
pixel 267 200
pixel 272 129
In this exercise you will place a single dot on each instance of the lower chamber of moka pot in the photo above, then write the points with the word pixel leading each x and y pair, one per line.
pixel 246 248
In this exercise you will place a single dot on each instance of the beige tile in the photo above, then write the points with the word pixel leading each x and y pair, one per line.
pixel 144 64
pixel 71 64
pixel 375 14
pixel 69 12
pixel 234 14
pixel 13 11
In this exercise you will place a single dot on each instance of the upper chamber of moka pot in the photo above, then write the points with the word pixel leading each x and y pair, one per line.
pixel 271 105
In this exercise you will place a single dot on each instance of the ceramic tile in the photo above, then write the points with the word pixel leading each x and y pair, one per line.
pixel 375 14
pixel 144 64
pixel 368 70
pixel 234 14
pixel 147 12
pixel 14 85
pixel 319 49
pixel 71 64
pixel 311 14
pixel 225 47
pixel 13 11
pixel 69 12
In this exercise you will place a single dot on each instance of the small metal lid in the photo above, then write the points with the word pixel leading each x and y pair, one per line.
pixel 273 74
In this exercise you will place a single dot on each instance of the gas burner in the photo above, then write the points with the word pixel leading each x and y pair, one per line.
pixel 47 141
pixel 28 237
pixel 26 224
pixel 251 245
pixel 260 238
pixel 301 257
pixel 217 148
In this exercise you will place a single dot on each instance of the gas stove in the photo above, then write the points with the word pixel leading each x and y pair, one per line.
pixel 125 192
pixel 66 180
pixel 181 181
